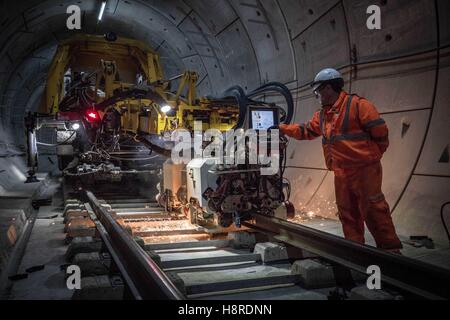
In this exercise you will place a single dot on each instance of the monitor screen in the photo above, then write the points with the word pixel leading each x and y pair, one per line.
pixel 263 119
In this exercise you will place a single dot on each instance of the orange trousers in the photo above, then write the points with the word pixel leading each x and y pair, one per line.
pixel 359 199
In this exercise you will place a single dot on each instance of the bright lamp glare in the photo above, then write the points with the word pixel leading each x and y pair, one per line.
pixel 75 126
pixel 92 115
pixel 102 11
pixel 166 109
pixel 19 174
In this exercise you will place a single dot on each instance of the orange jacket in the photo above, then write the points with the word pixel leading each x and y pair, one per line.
pixel 353 134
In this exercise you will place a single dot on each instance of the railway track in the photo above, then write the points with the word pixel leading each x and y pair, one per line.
pixel 129 248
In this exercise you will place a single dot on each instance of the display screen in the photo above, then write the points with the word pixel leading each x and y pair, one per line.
pixel 263 119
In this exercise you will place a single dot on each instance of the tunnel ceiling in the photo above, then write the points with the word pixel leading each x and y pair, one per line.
pixel 404 68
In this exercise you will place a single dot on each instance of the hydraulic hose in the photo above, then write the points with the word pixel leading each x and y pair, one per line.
pixel 243 99
pixel 283 90
pixel 238 93
pixel 443 220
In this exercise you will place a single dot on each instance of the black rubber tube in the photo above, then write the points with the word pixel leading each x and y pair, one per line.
pixel 238 93
pixel 243 99
pixel 443 220
pixel 283 90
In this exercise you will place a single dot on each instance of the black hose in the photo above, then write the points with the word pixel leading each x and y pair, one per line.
pixel 238 93
pixel 153 147
pixel 283 90
pixel 132 93
pixel 443 220
pixel 243 99
pixel 288 189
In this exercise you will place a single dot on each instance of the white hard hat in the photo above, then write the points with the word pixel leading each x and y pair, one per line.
pixel 324 76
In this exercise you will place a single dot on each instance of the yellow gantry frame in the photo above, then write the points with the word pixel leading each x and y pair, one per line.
pixel 137 115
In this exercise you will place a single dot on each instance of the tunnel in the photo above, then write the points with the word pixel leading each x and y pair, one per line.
pixel 403 68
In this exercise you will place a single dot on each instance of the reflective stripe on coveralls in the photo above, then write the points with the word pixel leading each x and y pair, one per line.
pixel 357 168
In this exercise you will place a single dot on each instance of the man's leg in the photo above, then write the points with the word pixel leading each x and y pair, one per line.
pixel 347 203
pixel 375 208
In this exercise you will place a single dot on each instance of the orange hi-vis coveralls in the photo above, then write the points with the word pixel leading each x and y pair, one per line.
pixel 354 139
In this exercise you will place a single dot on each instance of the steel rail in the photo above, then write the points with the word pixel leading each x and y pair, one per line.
pixel 417 277
pixel 148 281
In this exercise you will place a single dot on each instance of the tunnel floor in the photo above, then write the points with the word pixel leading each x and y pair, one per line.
pixel 439 256
pixel 44 248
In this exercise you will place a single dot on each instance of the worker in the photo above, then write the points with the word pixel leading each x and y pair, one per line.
pixel 354 138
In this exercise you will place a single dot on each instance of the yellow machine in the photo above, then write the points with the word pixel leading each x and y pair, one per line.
pixel 111 69
pixel 108 99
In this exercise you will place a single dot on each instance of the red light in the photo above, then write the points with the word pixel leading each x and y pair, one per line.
pixel 92 115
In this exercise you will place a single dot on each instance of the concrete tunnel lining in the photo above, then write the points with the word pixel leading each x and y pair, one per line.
pixel 289 42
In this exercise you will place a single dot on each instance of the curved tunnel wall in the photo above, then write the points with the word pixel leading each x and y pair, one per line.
pixel 404 68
